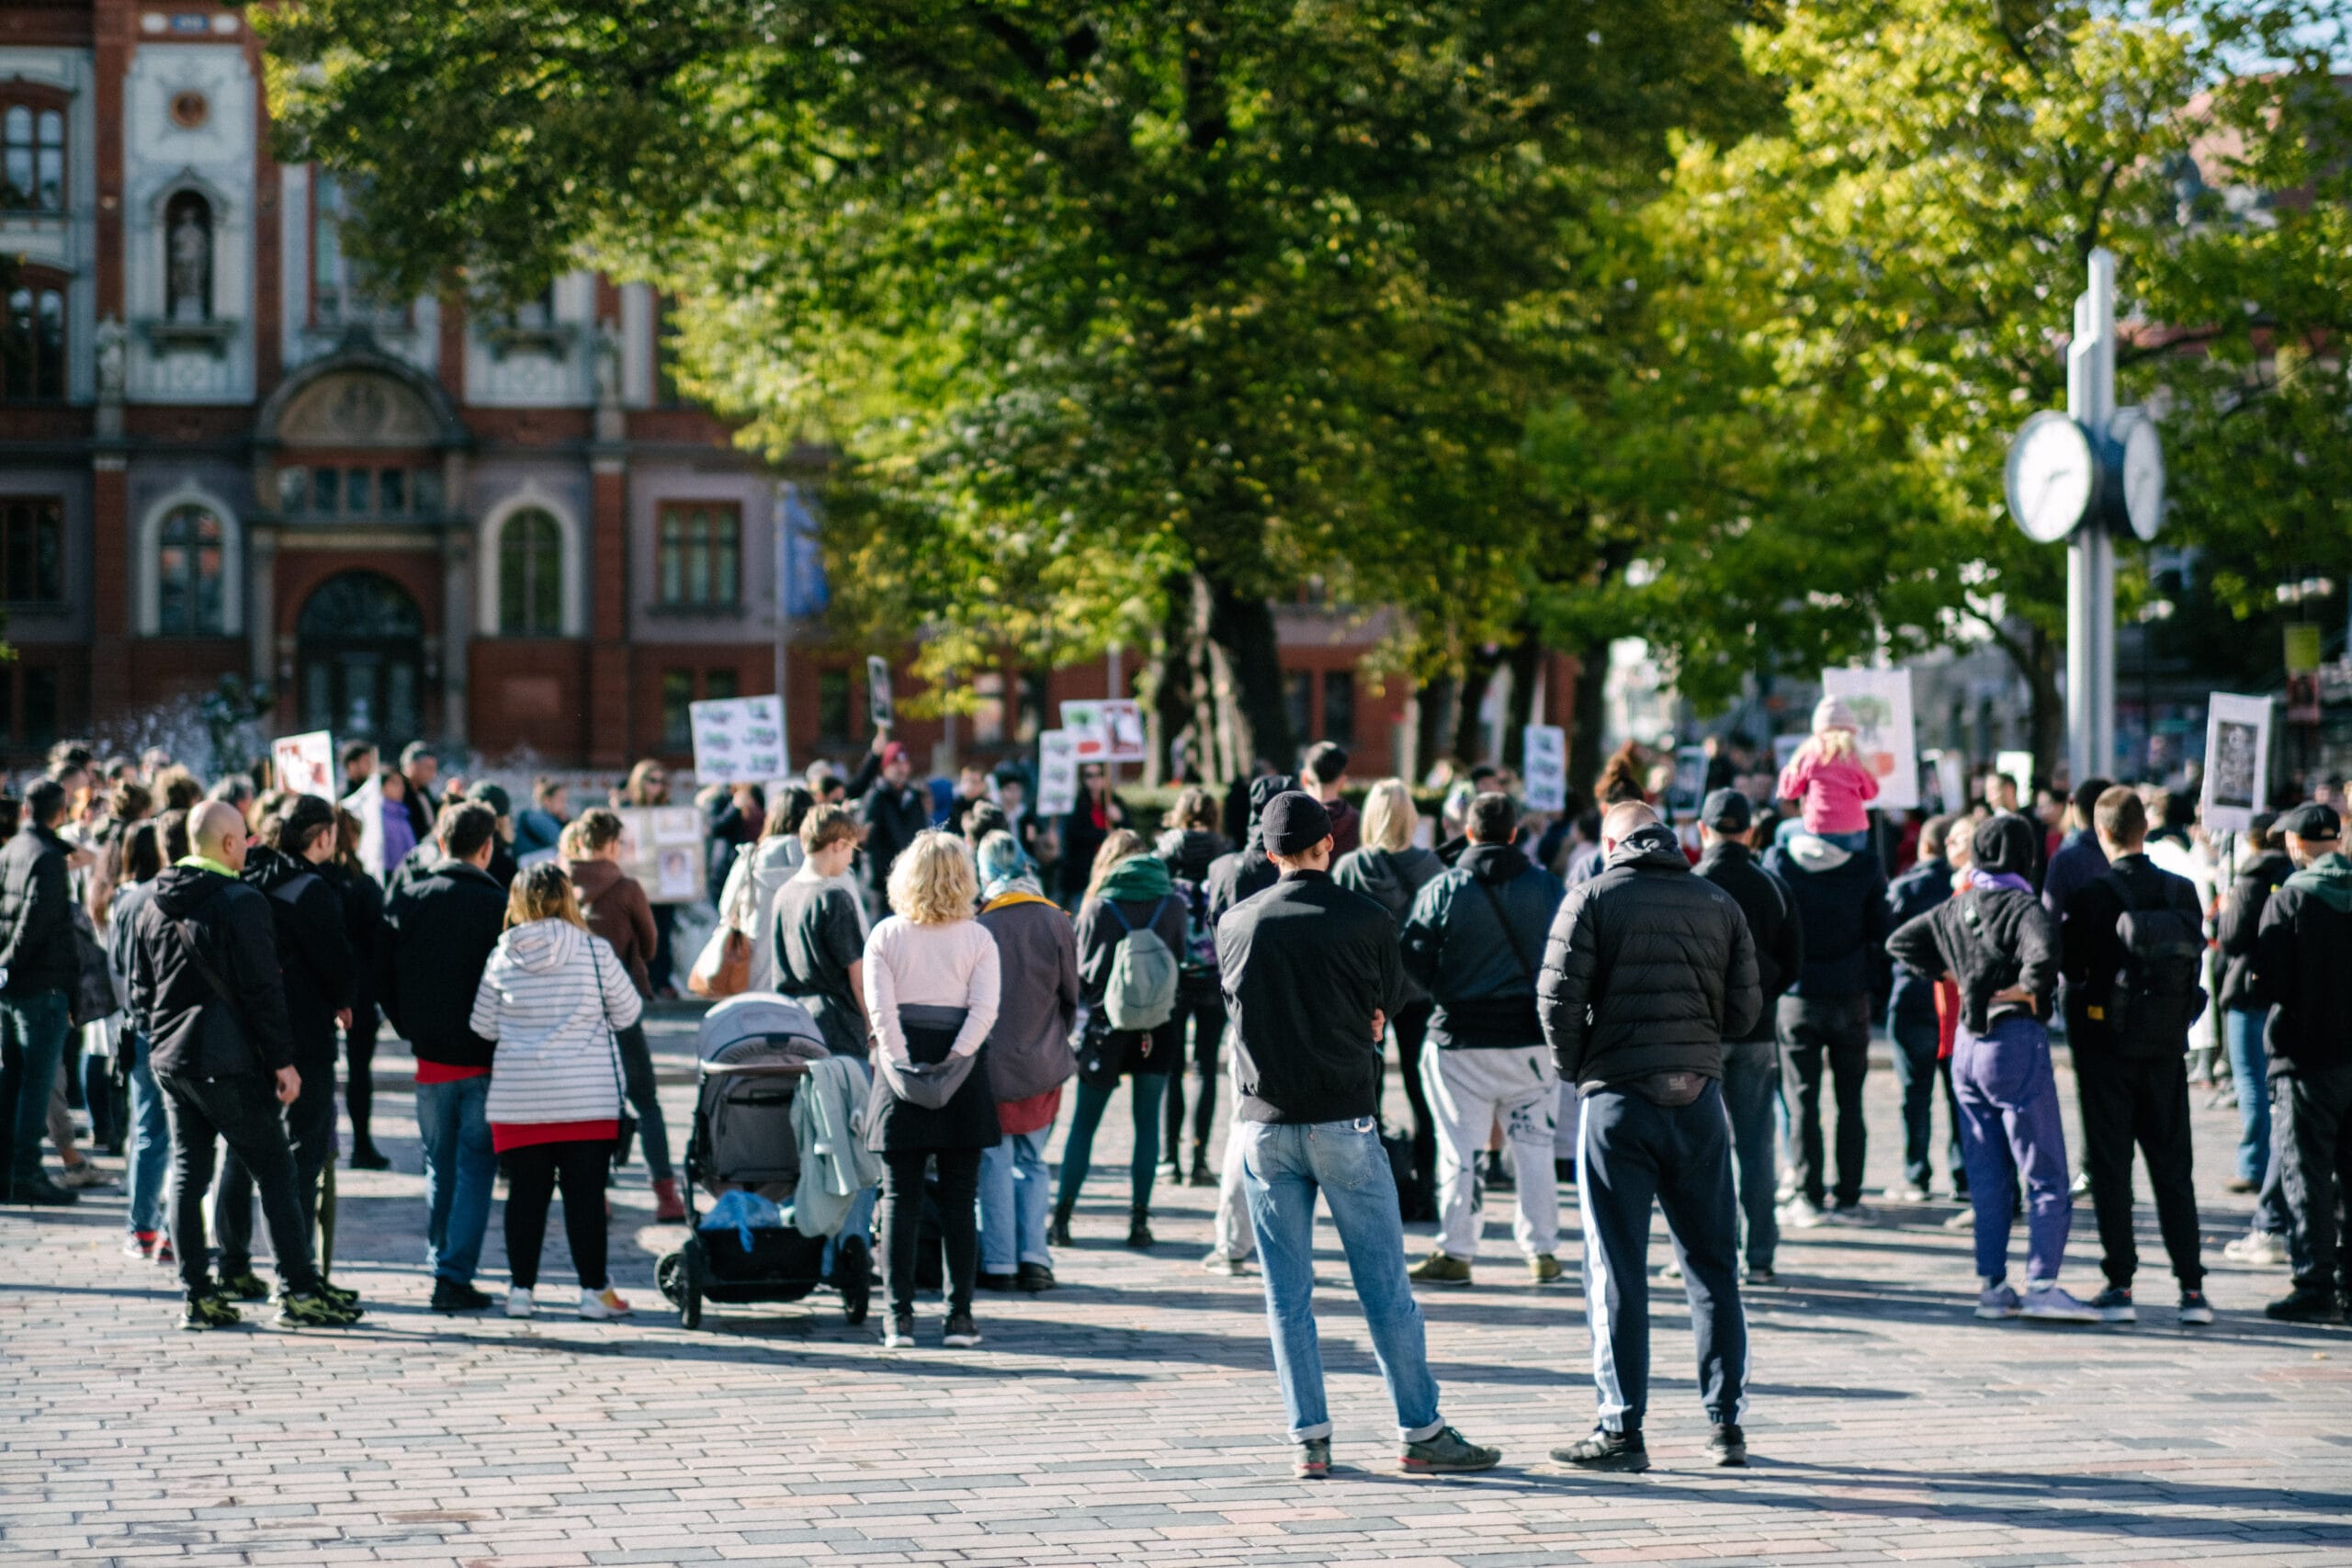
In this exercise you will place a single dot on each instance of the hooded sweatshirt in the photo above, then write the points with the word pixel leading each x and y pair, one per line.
pixel 1248 870
pixel 747 903
pixel 201 932
pixel 1992 935
pixel 1390 878
pixel 1475 939
pixel 550 997
pixel 313 948
pixel 1840 899
pixel 2301 954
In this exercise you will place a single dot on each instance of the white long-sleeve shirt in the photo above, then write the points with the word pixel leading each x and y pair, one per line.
pixel 951 965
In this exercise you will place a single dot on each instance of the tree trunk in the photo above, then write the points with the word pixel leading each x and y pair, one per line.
pixel 1437 704
pixel 1525 658
pixel 1249 677
pixel 1169 713
pixel 1469 728
pixel 1585 717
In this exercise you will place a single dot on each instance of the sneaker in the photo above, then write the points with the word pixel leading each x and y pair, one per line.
pixel 452 1296
pixel 1964 1220
pixel 1033 1277
pixel 1727 1445
pixel 1447 1452
pixel 165 1255
pixel 2256 1247
pixel 1564 1171
pixel 203 1309
pixel 336 1293
pixel 2194 1310
pixel 139 1243
pixel 988 1281
pixel 1761 1274
pixel 961 1332
pixel 1438 1268
pixel 43 1192
pixel 245 1286
pixel 2241 1184
pixel 2081 1187
pixel 519 1302
pixel 2305 1304
pixel 80 1178
pixel 1499 1176
pixel 1671 1270
pixel 1802 1215
pixel 1216 1262
pixel 1543 1268
pixel 900 1334
pixel 2050 1303
pixel 1998 1301
pixel 1606 1450
pixel 1313 1461
pixel 1202 1175
pixel 1168 1174
pixel 312 1310
pixel 367 1156
pixel 602 1306
pixel 1907 1192
pixel 1848 1215
pixel 2114 1305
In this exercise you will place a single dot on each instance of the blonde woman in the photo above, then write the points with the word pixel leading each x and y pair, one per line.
pixel 931 979
pixel 1390 871
pixel 550 997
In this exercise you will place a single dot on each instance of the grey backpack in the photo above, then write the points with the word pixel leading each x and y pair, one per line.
pixel 1140 995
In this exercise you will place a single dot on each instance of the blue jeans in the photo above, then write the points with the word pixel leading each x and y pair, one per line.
pixel 460 1167
pixel 1282 1170
pixel 151 1140
pixel 2250 1066
pixel 1751 1080
pixel 33 1026
pixel 1014 1203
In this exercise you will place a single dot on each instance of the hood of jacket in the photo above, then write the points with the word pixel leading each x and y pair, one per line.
pixel 268 869
pixel 1389 875
pixel 2328 878
pixel 593 878
pixel 1498 863
pixel 181 890
pixel 1652 845
pixel 542 946
pixel 1190 850
pixel 1138 879
pixel 2004 842
pixel 1815 853
pixel 777 858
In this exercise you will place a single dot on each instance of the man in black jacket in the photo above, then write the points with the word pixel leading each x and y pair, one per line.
pixel 1233 877
pixel 2133 1085
pixel 315 959
pixel 1913 1028
pixel 2263 869
pixel 418 768
pixel 205 987
pixel 440 929
pixel 894 811
pixel 42 967
pixel 2301 954
pixel 1310 972
pixel 1648 971
pixel 1840 898
pixel 1472 938
pixel 1752 1065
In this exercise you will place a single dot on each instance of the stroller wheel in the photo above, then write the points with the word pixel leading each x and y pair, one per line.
pixel 853 1278
pixel 690 1284
pixel 669 1277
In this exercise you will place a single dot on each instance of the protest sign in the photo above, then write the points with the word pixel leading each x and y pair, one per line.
pixel 1546 756
pixel 1689 777
pixel 2016 767
pixel 1881 703
pixel 880 706
pixel 737 739
pixel 661 847
pixel 1056 772
pixel 1106 730
pixel 2237 761
pixel 304 764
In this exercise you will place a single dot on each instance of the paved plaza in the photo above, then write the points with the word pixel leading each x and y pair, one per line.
pixel 1131 1416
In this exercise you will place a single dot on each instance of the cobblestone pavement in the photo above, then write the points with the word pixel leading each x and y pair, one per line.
pixel 1131 1416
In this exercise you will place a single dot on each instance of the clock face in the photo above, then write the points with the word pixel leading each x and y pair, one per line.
pixel 2051 477
pixel 2144 478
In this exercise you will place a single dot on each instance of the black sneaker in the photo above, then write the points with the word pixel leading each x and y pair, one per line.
pixel 2194 1310
pixel 1606 1450
pixel 1446 1452
pixel 1499 1176
pixel 962 1333
pixel 312 1310
pixel 1033 1277
pixel 450 1295
pixel 1564 1172
pixel 988 1281
pixel 42 1192
pixel 245 1286
pixel 203 1309
pixel 1314 1461
pixel 2305 1304
pixel 367 1156
pixel 2113 1305
pixel 1727 1445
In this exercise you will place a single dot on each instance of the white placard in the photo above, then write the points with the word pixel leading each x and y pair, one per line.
pixel 879 705
pixel 661 847
pixel 1106 730
pixel 304 764
pixel 1881 703
pixel 2237 761
pixel 1544 755
pixel 1951 778
pixel 1056 772
pixel 2016 767
pixel 737 740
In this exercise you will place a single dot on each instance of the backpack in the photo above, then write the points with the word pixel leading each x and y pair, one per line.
pixel 1200 932
pixel 2157 992
pixel 1140 995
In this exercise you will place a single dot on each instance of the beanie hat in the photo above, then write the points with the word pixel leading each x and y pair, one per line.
pixel 2003 841
pixel 1831 713
pixel 1294 823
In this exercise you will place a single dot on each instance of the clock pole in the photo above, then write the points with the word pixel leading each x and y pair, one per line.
pixel 2090 554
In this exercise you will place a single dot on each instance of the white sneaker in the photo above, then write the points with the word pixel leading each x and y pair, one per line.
pixel 519 1302
pixel 2048 1304
pixel 1799 1214
pixel 598 1306
pixel 86 1175
pixel 1908 1192
pixel 2256 1247
pixel 1670 1271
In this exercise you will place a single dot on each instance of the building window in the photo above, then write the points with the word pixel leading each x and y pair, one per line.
pixel 32 355
pixel 357 484
pixel 32 549
pixel 326 488
pixel 187 258
pixel 188 574
pixel 331 292
pixel 1298 696
pixel 41 707
pixel 677 710
pixel 391 490
pixel 32 157
pixel 1339 707
pixel 700 554
pixel 720 685
pixel 530 575
pixel 833 707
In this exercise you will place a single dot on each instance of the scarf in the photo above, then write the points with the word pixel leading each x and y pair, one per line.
pixel 1140 879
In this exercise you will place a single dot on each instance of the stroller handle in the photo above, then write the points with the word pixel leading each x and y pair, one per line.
pixel 759 1069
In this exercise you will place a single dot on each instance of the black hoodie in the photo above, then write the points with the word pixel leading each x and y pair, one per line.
pixel 1246 871
pixel 313 948
pixel 194 1031
pixel 1475 938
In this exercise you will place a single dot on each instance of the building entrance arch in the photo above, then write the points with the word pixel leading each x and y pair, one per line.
pixel 359 659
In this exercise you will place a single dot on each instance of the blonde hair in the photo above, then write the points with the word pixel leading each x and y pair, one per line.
pixel 1389 816
pixel 542 892
pixel 1123 844
pixel 931 882
pixel 1833 746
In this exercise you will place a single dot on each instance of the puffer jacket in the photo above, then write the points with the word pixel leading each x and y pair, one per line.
pixel 193 1029
pixel 549 1000
pixel 1474 938
pixel 1391 878
pixel 36 947
pixel 2303 950
pixel 1649 969
pixel 1841 903
pixel 2240 918
pixel 1989 939
pixel 313 948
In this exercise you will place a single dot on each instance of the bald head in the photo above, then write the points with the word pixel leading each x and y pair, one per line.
pixel 215 830
pixel 1623 819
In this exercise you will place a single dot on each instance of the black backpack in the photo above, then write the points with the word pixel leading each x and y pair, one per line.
pixel 2158 990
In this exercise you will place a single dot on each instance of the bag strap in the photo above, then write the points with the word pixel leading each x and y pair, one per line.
pixel 212 977
pixel 1511 940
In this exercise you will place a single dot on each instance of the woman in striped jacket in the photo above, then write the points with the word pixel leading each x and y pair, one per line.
pixel 550 998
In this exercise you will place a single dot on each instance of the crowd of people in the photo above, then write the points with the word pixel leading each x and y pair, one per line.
pixel 1641 1005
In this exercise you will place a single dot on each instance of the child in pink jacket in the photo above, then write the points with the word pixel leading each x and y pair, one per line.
pixel 1828 777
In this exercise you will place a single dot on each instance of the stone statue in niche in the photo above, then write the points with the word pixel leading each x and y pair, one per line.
pixel 188 259
pixel 608 365
pixel 113 350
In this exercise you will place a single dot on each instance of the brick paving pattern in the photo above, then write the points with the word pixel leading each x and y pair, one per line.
pixel 1131 1416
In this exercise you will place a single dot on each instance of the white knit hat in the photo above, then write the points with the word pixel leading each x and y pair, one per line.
pixel 1831 713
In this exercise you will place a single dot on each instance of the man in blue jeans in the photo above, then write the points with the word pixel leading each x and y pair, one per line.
pixel 42 966
pixel 1310 972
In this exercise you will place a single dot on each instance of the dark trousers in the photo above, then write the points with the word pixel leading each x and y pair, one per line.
pixel 959 1191
pixel 1810 1029
pixel 1751 1074
pixel 1206 1017
pixel 243 1112
pixel 309 1133
pixel 33 1027
pixel 645 1098
pixel 2139 1100
pixel 109 1103
pixel 1916 1069
pixel 359 1072
pixel 1631 1153
pixel 2313 1115
pixel 533 1173
pixel 1411 1022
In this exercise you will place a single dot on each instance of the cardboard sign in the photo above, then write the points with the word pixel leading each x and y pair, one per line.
pixel 1881 703
pixel 1952 779
pixel 662 846
pixel 1106 730
pixel 1544 753
pixel 1056 772
pixel 879 705
pixel 737 740
pixel 304 764
pixel 2237 761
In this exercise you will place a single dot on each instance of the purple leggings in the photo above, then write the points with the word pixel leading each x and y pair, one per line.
pixel 2008 1125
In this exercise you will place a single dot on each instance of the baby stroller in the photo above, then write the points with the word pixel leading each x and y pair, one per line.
pixel 754 1053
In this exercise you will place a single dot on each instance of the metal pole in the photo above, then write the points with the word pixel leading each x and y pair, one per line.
pixel 782 617
pixel 2090 555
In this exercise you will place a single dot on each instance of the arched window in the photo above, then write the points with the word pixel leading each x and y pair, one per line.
pixel 187 258
pixel 188 574
pixel 32 343
pixel 32 158
pixel 530 575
